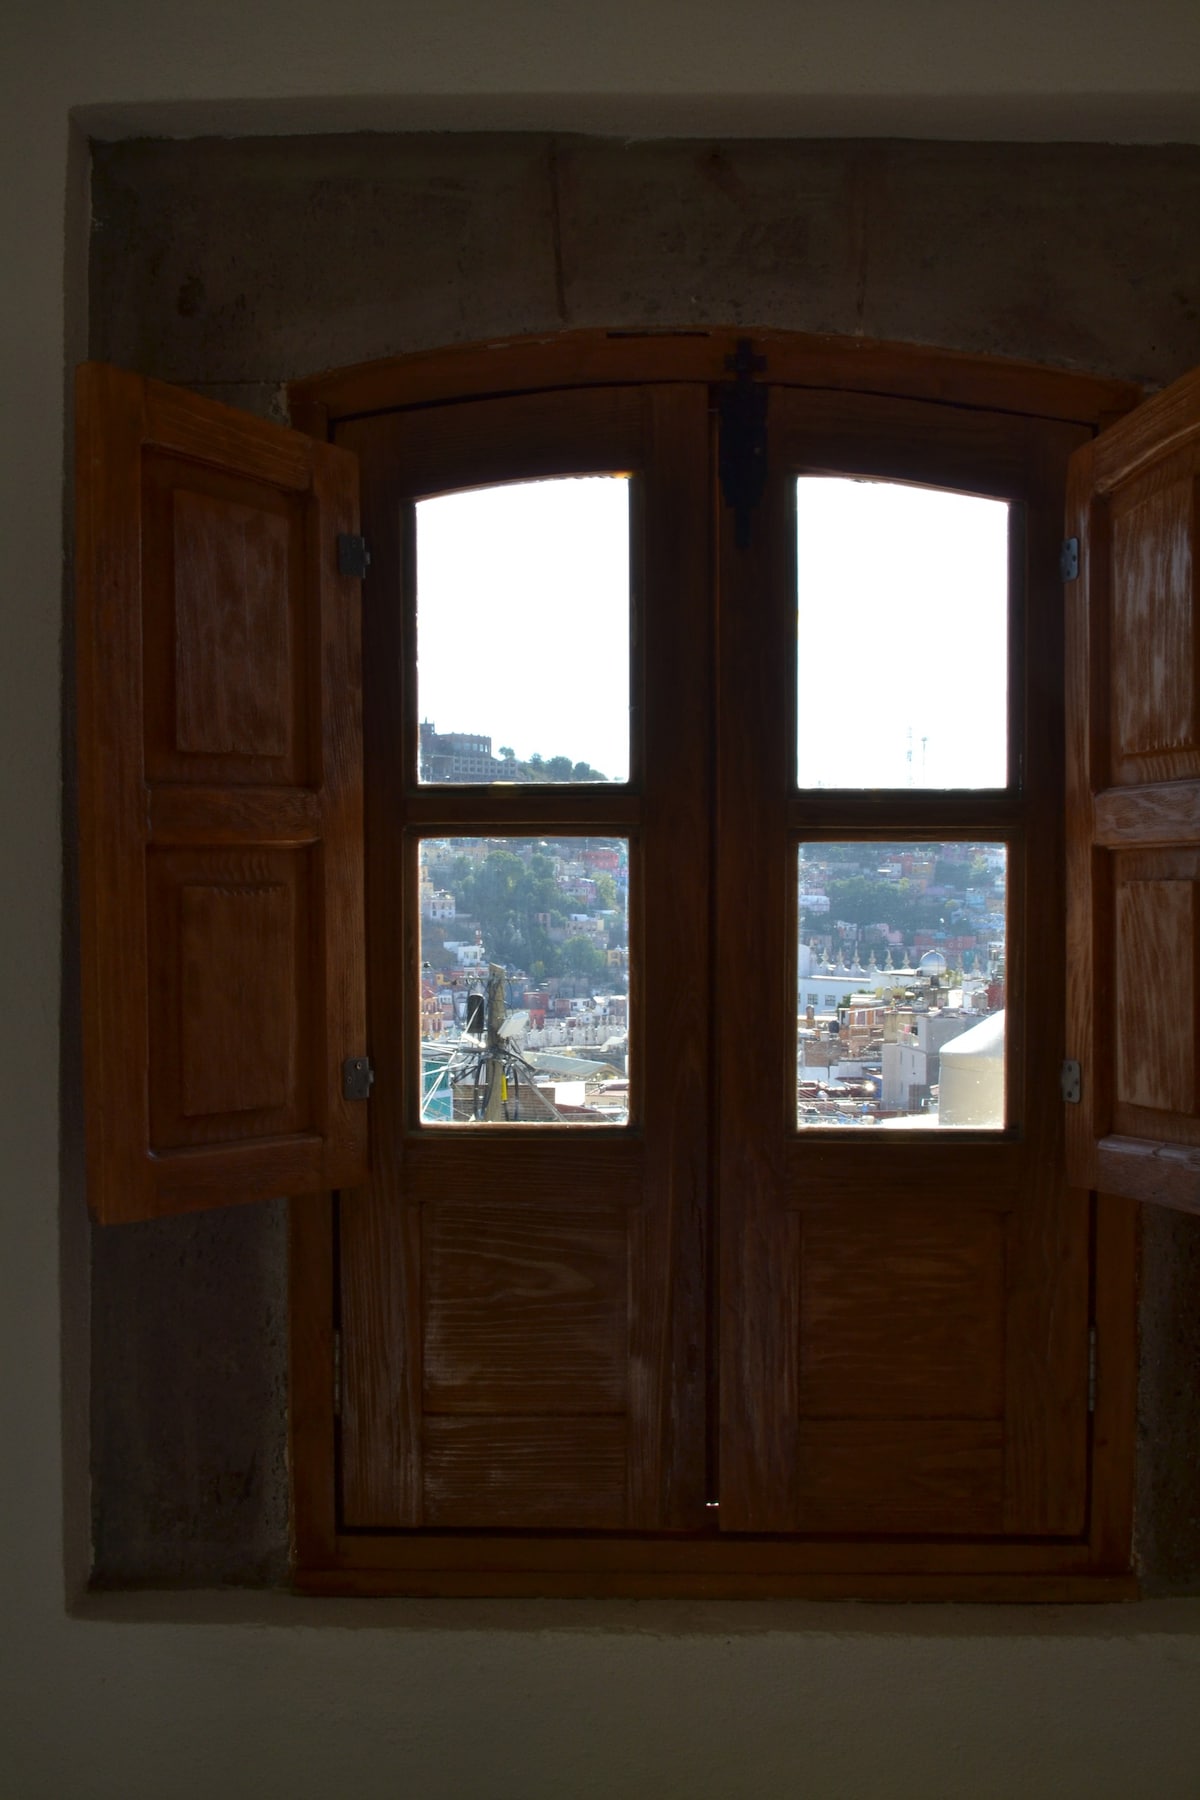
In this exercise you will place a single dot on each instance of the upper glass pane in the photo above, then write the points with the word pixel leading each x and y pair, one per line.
pixel 523 632
pixel 902 661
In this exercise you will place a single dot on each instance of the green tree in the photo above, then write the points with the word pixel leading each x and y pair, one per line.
pixel 581 957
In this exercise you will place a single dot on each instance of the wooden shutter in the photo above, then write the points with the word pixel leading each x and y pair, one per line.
pixel 220 798
pixel 1133 722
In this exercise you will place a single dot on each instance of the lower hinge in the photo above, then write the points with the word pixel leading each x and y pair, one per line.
pixel 1071 1080
pixel 353 557
pixel 1068 560
pixel 357 1076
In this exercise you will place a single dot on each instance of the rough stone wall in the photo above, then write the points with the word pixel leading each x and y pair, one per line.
pixel 233 266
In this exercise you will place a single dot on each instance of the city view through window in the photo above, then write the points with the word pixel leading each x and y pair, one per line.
pixel 524 980
pixel 900 965
pixel 900 985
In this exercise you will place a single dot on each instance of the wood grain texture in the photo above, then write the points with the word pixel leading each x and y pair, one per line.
pixel 903 1320
pixel 1159 813
pixel 524 1313
pixel 526 1473
pixel 218 653
pixel 941 1476
pixel 1156 971
pixel 231 658
pixel 238 948
pixel 1154 645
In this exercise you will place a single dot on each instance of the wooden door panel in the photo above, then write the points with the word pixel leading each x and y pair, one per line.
pixel 220 803
pixel 231 995
pixel 519 1473
pixel 1154 639
pixel 902 1315
pixel 525 1312
pixel 1156 920
pixel 901 1475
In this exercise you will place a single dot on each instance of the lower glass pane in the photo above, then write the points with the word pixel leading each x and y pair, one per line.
pixel 524 981
pixel 900 975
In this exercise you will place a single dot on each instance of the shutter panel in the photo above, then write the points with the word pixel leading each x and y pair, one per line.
pixel 220 798
pixel 1133 723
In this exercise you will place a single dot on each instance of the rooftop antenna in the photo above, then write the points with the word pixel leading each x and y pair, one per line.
pixel 908 757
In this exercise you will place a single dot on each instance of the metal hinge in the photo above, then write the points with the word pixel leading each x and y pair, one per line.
pixel 1091 1368
pixel 1068 560
pixel 1071 1081
pixel 337 1374
pixel 353 557
pixel 357 1076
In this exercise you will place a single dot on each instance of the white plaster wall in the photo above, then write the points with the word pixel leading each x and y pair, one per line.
pixel 280 1698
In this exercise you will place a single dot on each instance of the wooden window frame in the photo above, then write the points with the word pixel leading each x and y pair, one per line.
pixel 329 1558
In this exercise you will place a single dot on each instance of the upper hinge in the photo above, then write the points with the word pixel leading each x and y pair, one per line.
pixel 742 450
pixel 1071 1081
pixel 1068 560
pixel 353 557
pixel 357 1076
pixel 1091 1368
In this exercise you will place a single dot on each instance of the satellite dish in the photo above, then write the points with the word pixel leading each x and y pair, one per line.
pixel 513 1025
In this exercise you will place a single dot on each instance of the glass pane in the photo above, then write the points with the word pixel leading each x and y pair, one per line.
pixel 523 632
pixel 524 980
pixel 900 977
pixel 902 659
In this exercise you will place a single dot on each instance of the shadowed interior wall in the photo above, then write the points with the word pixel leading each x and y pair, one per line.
pixel 233 266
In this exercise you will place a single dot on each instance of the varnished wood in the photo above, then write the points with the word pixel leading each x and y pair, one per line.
pixel 996 1497
pixel 453 1364
pixel 1160 813
pixel 1133 821
pixel 597 357
pixel 220 803
pixel 825 1344
pixel 597 1584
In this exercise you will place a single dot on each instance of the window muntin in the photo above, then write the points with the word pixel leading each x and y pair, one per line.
pixel 903 591
pixel 523 628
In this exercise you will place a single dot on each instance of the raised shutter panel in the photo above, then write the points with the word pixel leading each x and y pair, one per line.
pixel 220 800
pixel 1133 722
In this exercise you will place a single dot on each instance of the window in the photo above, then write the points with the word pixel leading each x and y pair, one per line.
pixel 706 1334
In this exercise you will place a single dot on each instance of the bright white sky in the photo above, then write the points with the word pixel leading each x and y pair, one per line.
pixel 523 626
pixel 903 607
pixel 523 617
